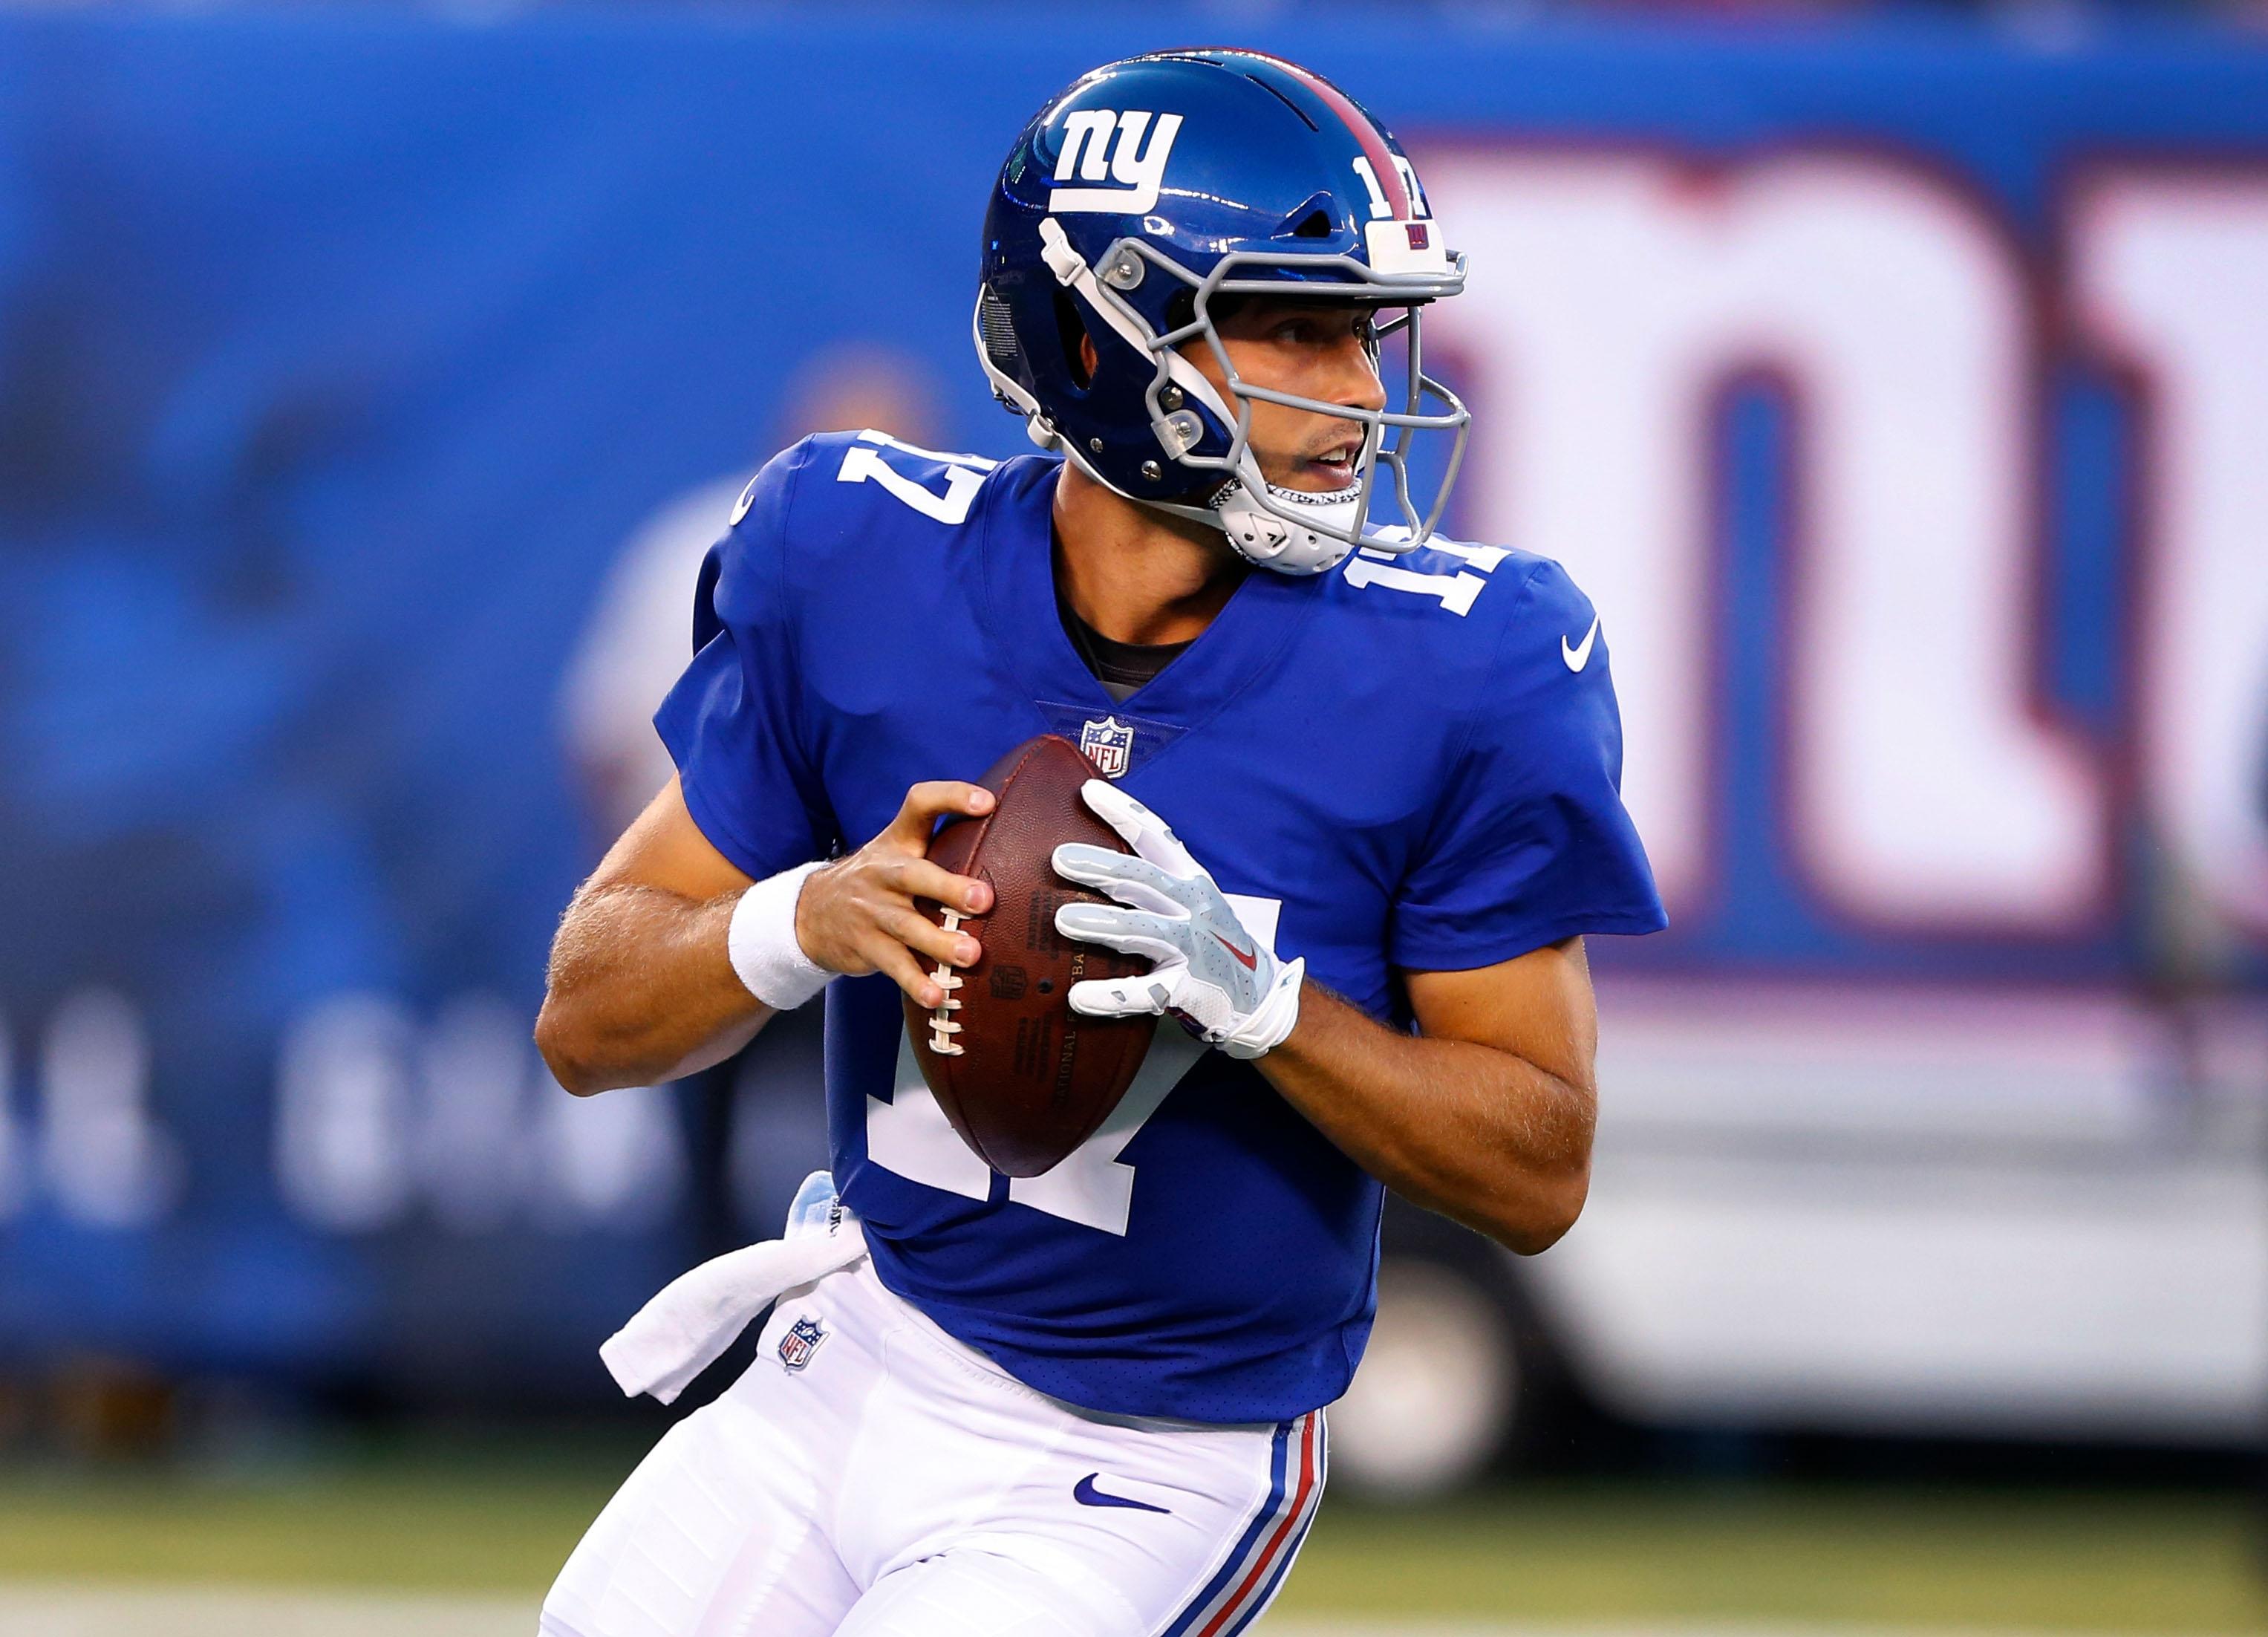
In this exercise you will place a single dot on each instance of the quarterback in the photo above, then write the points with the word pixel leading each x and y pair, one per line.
pixel 1092 1401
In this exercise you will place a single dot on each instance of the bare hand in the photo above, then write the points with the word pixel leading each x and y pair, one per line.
pixel 858 916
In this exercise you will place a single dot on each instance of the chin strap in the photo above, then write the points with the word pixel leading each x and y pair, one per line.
pixel 1260 536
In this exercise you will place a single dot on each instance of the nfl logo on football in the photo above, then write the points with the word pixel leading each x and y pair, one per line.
pixel 800 1342
pixel 1106 745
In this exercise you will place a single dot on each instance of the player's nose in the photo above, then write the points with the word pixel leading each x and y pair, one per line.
pixel 1354 377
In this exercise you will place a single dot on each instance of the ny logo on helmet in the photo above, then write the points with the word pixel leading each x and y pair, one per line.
pixel 1099 145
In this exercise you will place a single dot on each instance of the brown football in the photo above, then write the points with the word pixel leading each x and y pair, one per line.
pixel 1023 1078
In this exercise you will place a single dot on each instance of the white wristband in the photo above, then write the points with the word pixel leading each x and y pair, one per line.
pixel 761 943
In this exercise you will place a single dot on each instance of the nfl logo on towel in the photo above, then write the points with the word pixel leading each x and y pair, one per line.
pixel 1106 745
pixel 801 1341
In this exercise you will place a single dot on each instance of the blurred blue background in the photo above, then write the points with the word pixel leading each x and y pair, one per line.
pixel 371 379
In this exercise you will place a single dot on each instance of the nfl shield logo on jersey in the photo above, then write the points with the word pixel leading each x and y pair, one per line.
pixel 801 1341
pixel 1106 745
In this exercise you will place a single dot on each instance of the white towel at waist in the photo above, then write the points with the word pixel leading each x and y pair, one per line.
pixel 687 1327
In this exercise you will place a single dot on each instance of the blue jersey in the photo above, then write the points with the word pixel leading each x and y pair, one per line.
pixel 1405 763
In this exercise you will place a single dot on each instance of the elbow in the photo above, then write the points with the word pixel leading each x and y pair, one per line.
pixel 566 1052
pixel 1544 1212
pixel 1556 1181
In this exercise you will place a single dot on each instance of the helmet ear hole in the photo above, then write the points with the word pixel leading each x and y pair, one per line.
pixel 1071 330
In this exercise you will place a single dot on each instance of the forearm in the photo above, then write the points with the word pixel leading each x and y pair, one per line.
pixel 642 989
pixel 1473 1131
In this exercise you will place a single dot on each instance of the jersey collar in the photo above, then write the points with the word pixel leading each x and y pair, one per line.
pixel 1244 642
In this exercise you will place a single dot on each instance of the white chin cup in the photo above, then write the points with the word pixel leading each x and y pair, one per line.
pixel 1259 536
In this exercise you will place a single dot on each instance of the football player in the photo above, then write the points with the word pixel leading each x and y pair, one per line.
pixel 1092 1401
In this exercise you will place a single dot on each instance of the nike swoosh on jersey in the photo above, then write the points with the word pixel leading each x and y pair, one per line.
pixel 1086 1494
pixel 1251 962
pixel 1580 655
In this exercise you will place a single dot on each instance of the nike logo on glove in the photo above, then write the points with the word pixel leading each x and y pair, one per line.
pixel 1579 656
pixel 1086 1494
pixel 1251 962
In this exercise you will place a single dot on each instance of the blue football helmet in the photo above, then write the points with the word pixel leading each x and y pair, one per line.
pixel 1133 203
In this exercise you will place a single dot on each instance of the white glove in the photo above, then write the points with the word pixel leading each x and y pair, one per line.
pixel 1226 984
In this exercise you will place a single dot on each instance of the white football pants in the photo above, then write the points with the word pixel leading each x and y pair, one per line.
pixel 896 1483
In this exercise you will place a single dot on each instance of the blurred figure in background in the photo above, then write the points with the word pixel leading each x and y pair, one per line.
pixel 757 1122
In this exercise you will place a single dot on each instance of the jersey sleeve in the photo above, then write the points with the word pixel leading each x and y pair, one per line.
pixel 1531 844
pixel 730 722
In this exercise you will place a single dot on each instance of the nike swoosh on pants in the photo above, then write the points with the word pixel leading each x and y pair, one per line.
pixel 1086 1494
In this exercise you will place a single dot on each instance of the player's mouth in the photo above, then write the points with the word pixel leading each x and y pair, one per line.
pixel 1333 467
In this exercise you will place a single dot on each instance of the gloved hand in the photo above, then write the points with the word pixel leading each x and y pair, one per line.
pixel 1226 984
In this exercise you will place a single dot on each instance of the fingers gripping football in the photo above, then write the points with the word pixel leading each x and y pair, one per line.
pixel 1207 967
pixel 859 914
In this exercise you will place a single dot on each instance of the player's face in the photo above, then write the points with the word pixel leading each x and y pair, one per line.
pixel 1311 350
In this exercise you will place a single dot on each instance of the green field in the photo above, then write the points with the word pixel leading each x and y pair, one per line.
pixel 1628 1551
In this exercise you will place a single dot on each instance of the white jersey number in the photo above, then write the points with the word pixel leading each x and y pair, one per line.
pixel 1092 1187
pixel 1371 567
pixel 964 475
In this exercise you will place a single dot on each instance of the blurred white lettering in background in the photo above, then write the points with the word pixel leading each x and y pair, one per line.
pixel 104 1160
pixel 2170 271
pixel 472 1129
pixel 94 1153
pixel 382 1122
pixel 1929 785
pixel 1934 1205
pixel 343 1110
pixel 13 1184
